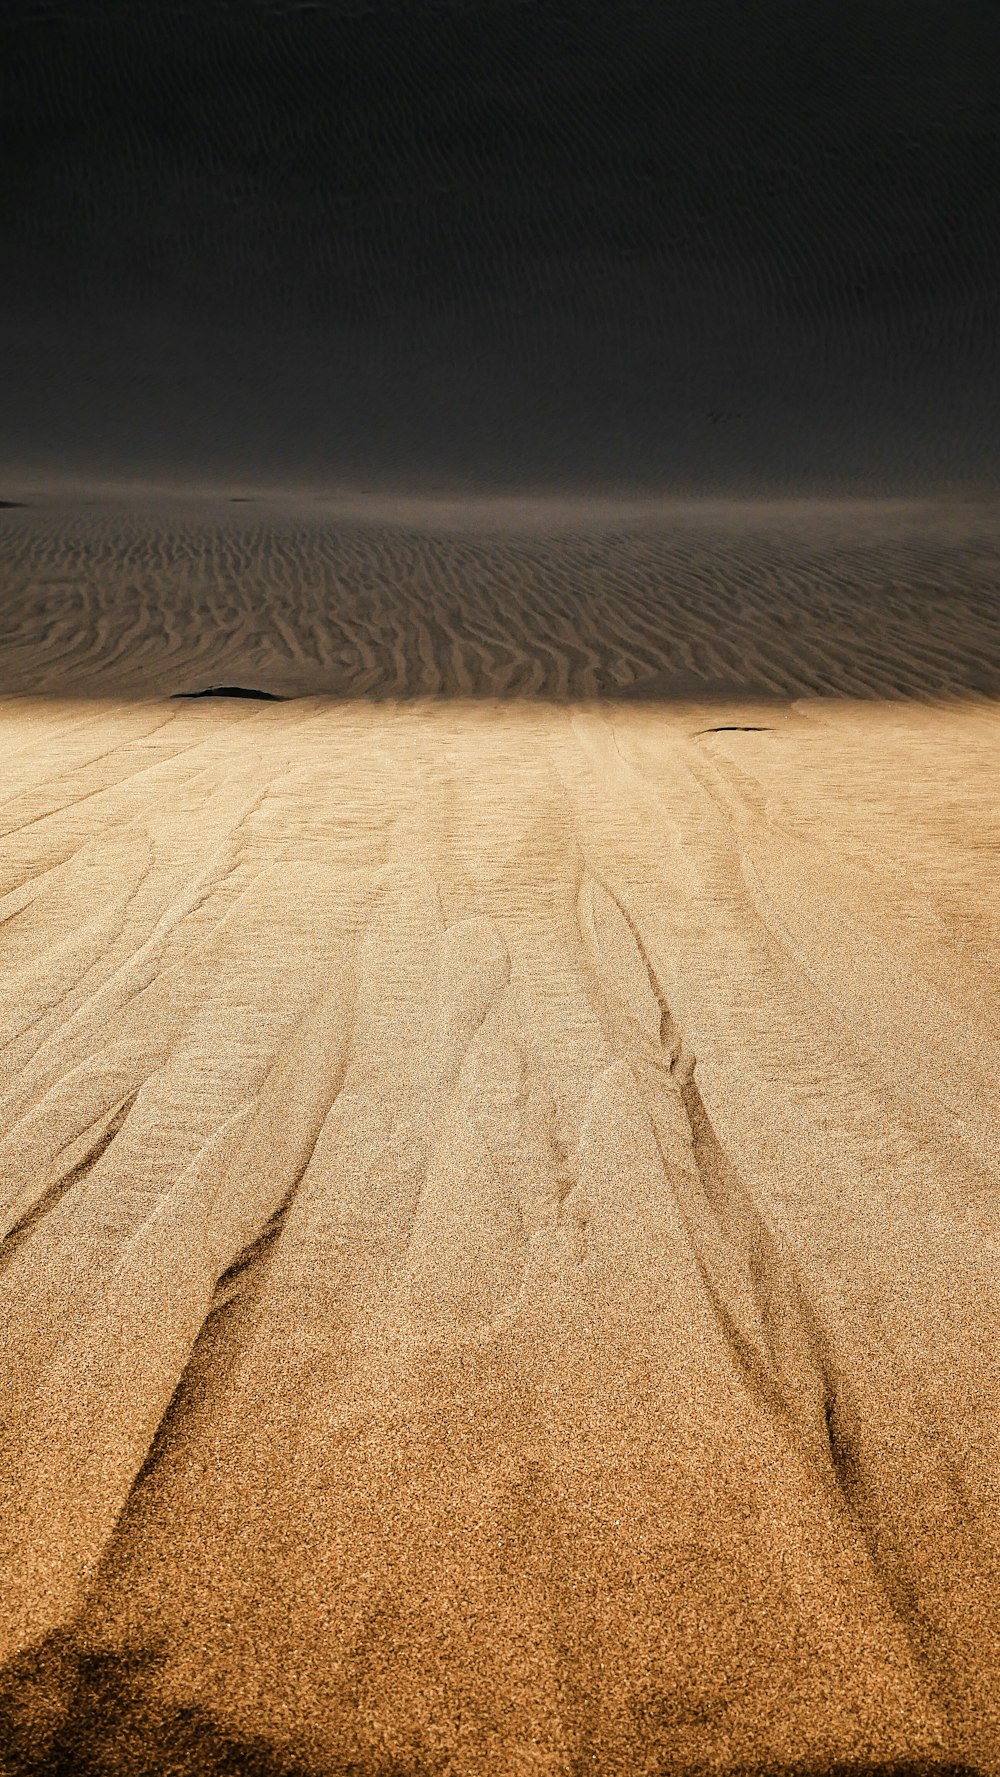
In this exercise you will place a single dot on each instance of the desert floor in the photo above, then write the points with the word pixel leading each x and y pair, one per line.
pixel 499 1189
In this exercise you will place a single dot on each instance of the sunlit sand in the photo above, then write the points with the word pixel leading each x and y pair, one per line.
pixel 499 1183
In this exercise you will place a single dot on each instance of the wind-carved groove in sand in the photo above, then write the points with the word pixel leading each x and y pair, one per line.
pixel 756 1295
pixel 71 1166
pixel 89 1434
pixel 932 1567
pixel 465 1209
pixel 233 1301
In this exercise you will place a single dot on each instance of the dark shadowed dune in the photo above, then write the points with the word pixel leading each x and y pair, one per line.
pixel 701 604
pixel 703 246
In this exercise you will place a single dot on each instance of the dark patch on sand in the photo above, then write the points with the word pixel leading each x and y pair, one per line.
pixel 68 1710
pixel 235 691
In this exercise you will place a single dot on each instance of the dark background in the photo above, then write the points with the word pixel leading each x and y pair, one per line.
pixel 707 245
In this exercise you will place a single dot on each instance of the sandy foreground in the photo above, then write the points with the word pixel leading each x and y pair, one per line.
pixel 499 1187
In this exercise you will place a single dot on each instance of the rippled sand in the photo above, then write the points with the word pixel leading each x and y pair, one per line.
pixel 870 600
pixel 499 1188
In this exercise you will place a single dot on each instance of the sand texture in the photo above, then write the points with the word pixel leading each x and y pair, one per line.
pixel 499 1148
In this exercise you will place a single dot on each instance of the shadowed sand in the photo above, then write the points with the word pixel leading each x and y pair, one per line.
pixel 499 1190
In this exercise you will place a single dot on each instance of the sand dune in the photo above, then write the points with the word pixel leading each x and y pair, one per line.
pixel 702 245
pixel 499 1189
pixel 858 599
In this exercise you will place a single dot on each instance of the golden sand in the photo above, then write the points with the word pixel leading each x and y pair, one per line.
pixel 499 1191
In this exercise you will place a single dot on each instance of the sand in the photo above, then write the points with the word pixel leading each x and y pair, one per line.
pixel 499 1183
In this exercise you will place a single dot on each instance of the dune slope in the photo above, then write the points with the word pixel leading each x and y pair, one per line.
pixel 499 1194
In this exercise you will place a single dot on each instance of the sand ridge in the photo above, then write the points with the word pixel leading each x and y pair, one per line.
pixel 499 1193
